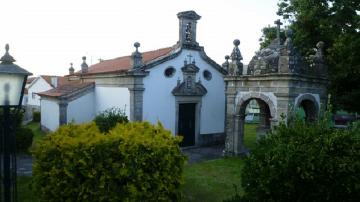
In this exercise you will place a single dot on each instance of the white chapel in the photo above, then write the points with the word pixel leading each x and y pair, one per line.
pixel 179 86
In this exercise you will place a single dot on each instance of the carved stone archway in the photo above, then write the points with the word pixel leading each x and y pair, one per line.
pixel 267 117
pixel 279 79
pixel 309 104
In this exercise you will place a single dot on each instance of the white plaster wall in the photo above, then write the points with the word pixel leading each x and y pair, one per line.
pixel 40 85
pixel 159 103
pixel 108 97
pixel 49 114
pixel 24 100
pixel 82 109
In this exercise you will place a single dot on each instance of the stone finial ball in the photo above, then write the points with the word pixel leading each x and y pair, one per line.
pixel 320 44
pixel 289 33
pixel 84 57
pixel 227 57
pixel 236 42
pixel 136 44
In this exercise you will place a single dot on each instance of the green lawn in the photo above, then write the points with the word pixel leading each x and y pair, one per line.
pixel 214 180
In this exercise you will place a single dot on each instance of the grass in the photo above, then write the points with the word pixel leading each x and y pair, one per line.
pixel 215 180
pixel 250 135
pixel 212 180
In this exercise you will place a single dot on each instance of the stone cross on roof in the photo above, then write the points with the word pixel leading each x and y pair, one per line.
pixel 278 23
pixel 189 56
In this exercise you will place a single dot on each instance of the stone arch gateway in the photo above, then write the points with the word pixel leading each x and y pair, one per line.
pixel 280 80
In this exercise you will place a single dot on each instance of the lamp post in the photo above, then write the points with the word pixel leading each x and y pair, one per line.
pixel 12 84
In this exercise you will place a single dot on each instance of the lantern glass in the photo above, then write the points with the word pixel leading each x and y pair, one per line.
pixel 11 88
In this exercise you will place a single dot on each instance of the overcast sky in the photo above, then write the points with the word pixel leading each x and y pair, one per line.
pixel 46 35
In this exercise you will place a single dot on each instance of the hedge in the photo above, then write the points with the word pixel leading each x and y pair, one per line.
pixel 304 162
pixel 133 162
pixel 24 137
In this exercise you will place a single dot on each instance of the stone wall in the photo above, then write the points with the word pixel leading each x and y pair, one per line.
pixel 281 93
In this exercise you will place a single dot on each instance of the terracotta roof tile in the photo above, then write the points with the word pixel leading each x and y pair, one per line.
pixel 60 80
pixel 30 79
pixel 65 89
pixel 124 63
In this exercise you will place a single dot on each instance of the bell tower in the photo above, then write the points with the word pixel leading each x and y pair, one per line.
pixel 187 28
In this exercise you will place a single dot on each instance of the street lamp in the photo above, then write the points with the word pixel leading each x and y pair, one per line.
pixel 12 84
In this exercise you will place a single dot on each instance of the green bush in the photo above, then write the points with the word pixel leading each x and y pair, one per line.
pixel 133 162
pixel 108 119
pixel 304 162
pixel 24 137
pixel 36 116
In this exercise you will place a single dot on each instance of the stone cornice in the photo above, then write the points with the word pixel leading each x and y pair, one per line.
pixel 277 76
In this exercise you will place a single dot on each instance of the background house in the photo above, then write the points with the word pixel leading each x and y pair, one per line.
pixel 35 85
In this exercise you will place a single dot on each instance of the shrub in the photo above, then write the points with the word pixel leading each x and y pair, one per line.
pixel 36 116
pixel 24 137
pixel 133 162
pixel 107 119
pixel 304 162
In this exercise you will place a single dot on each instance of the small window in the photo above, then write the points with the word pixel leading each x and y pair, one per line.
pixel 33 95
pixel 207 75
pixel 169 72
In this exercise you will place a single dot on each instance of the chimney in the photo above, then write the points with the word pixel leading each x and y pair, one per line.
pixel 187 27
pixel 71 69
pixel 54 81
pixel 136 57
pixel 84 66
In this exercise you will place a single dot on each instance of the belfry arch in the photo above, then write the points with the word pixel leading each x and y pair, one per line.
pixel 280 81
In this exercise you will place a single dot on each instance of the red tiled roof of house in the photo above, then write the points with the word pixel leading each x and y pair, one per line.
pixel 30 79
pixel 124 63
pixel 60 80
pixel 65 89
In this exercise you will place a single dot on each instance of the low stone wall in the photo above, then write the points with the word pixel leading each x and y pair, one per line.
pixel 211 139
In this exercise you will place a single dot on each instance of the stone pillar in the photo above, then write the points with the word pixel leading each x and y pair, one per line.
pixel 230 124
pixel 63 113
pixel 239 148
pixel 136 103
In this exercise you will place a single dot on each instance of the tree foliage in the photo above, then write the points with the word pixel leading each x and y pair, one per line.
pixel 337 23
pixel 269 34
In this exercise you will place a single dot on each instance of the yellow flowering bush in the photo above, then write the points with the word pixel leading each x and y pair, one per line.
pixel 132 162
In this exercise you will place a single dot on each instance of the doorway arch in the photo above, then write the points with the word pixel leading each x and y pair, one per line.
pixel 266 115
pixel 309 104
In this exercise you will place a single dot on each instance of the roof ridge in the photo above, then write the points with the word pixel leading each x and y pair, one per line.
pixel 120 57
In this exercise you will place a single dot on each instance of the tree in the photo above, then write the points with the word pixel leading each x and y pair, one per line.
pixel 337 23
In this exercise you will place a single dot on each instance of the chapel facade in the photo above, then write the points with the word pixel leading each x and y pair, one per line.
pixel 179 86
